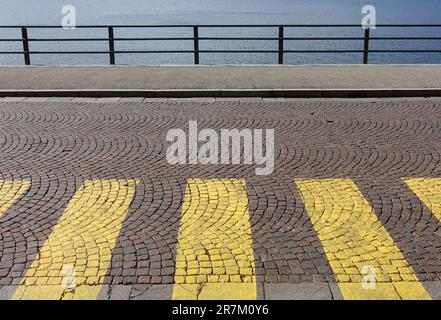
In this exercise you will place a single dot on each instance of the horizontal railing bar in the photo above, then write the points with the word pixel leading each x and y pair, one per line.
pixel 55 52
pixel 410 51
pixel 233 38
pixel 228 26
pixel 58 39
pixel 116 39
pixel 184 26
pixel 219 38
pixel 321 38
pixel 274 38
pixel 175 39
pixel 219 51
pixel 405 38
pixel 97 52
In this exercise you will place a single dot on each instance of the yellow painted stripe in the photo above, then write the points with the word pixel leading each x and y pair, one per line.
pixel 215 257
pixel 10 191
pixel 76 257
pixel 358 247
pixel 429 192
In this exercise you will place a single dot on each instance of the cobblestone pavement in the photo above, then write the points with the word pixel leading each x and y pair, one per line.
pixel 91 209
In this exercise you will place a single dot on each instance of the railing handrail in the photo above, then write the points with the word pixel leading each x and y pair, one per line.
pixel 196 51
pixel 227 26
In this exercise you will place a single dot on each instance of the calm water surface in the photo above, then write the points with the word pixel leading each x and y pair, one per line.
pixel 42 12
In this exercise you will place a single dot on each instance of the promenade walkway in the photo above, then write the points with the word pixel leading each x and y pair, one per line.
pixel 90 208
pixel 223 81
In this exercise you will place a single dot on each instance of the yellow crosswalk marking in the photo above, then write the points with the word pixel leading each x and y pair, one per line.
pixel 10 191
pixel 429 192
pixel 76 257
pixel 366 261
pixel 215 257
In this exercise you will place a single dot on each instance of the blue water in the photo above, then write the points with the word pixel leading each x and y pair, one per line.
pixel 48 12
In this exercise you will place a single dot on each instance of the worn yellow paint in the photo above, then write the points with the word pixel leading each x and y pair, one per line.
pixel 383 291
pixel 215 257
pixel 355 242
pixel 429 192
pixel 10 191
pixel 44 292
pixel 76 257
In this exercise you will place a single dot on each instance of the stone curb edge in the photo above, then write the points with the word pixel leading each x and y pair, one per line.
pixel 227 93
pixel 265 291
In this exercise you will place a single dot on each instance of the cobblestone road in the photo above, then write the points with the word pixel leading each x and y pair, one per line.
pixel 90 208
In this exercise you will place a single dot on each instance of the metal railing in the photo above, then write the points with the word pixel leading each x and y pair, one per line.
pixel 280 40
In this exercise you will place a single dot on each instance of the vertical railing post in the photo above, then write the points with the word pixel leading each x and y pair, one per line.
pixel 24 36
pixel 111 46
pixel 280 45
pixel 196 44
pixel 366 46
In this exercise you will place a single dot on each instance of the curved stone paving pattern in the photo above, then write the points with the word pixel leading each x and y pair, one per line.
pixel 50 150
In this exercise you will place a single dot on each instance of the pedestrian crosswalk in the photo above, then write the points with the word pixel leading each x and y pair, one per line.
pixel 79 249
pixel 10 191
pixel 429 192
pixel 215 245
pixel 356 244
pixel 214 253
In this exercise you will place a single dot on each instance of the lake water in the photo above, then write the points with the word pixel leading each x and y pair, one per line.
pixel 97 12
